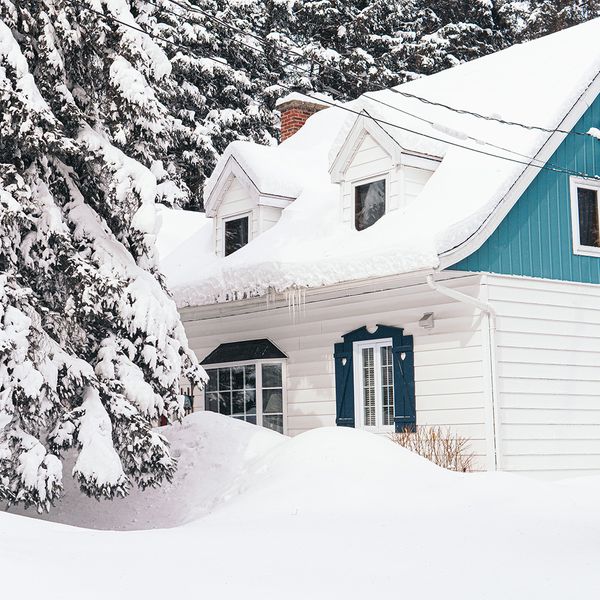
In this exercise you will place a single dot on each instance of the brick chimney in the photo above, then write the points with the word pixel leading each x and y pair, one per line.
pixel 295 108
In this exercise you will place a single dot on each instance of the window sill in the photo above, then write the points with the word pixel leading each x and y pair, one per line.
pixel 586 251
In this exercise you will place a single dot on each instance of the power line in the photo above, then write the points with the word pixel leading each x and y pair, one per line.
pixel 366 84
pixel 527 163
pixel 366 95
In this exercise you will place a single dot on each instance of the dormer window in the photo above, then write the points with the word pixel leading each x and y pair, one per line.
pixel 585 214
pixel 236 233
pixel 369 202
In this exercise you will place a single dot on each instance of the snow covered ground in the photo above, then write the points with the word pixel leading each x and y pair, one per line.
pixel 333 513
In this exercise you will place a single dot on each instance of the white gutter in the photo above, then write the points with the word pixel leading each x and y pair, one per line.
pixel 490 314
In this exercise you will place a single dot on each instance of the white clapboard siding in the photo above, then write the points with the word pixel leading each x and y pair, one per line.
pixel 548 337
pixel 267 217
pixel 414 181
pixel 449 369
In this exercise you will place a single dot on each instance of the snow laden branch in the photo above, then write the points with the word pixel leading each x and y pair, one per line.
pixel 92 350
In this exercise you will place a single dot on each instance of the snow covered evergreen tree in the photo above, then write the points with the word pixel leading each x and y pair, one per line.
pixel 91 346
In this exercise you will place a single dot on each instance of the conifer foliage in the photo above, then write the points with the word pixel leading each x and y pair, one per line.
pixel 91 346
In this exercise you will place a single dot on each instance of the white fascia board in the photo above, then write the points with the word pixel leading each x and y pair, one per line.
pixel 466 248
pixel 362 126
pixel 231 170
pixel 420 162
pixel 274 201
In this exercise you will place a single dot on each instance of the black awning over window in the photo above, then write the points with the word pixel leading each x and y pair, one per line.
pixel 239 351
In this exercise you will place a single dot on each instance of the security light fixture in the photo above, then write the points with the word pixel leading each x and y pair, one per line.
pixel 427 321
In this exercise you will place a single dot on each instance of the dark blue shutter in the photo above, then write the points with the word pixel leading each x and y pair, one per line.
pixel 404 375
pixel 344 385
pixel 405 415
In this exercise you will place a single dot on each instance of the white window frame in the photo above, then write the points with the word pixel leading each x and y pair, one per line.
pixel 359 418
pixel 385 176
pixel 588 184
pixel 259 389
pixel 235 217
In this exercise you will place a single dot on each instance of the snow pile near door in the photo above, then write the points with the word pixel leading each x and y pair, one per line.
pixel 333 513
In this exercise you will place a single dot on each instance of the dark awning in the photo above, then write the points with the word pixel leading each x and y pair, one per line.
pixel 239 351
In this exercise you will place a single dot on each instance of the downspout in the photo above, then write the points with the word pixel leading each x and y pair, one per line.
pixel 490 313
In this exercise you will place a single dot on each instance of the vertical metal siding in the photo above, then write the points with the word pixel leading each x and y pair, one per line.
pixel 535 237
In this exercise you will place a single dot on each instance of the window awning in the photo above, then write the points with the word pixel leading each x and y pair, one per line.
pixel 247 350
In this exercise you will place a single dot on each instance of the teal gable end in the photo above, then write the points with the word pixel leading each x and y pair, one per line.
pixel 535 239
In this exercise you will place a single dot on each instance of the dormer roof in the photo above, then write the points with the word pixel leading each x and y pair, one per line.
pixel 260 169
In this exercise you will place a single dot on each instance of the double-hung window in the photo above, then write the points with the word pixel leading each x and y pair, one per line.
pixel 374 384
pixel 369 202
pixel 236 233
pixel 585 216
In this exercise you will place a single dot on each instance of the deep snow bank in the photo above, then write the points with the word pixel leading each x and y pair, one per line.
pixel 333 513
pixel 211 452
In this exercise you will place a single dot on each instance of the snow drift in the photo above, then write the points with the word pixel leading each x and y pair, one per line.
pixel 332 513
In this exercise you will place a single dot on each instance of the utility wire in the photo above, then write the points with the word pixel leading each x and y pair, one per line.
pixel 527 163
pixel 366 84
pixel 366 95
pixel 306 70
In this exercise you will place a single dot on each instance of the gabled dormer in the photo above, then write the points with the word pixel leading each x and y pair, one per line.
pixel 376 175
pixel 242 202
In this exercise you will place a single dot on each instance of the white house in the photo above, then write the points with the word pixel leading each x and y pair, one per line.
pixel 428 254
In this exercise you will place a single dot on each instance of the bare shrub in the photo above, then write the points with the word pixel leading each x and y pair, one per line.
pixel 438 445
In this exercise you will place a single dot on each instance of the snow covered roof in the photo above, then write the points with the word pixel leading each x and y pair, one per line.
pixel 265 171
pixel 483 170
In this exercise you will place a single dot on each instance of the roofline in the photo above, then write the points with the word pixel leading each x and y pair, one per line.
pixel 233 167
pixel 362 125
pixel 518 188
pixel 340 290
pixel 228 169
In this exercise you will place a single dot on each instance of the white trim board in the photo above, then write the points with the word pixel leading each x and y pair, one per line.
pixel 576 183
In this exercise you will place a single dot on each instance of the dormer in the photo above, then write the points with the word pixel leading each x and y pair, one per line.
pixel 376 175
pixel 245 197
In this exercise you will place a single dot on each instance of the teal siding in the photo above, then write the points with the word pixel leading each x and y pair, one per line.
pixel 534 239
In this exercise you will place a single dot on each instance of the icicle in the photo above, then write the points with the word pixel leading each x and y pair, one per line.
pixel 296 297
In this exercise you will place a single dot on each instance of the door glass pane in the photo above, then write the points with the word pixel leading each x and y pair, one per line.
pixel 588 217
pixel 369 203
pixel 387 385
pixel 368 369
pixel 271 376
pixel 236 234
